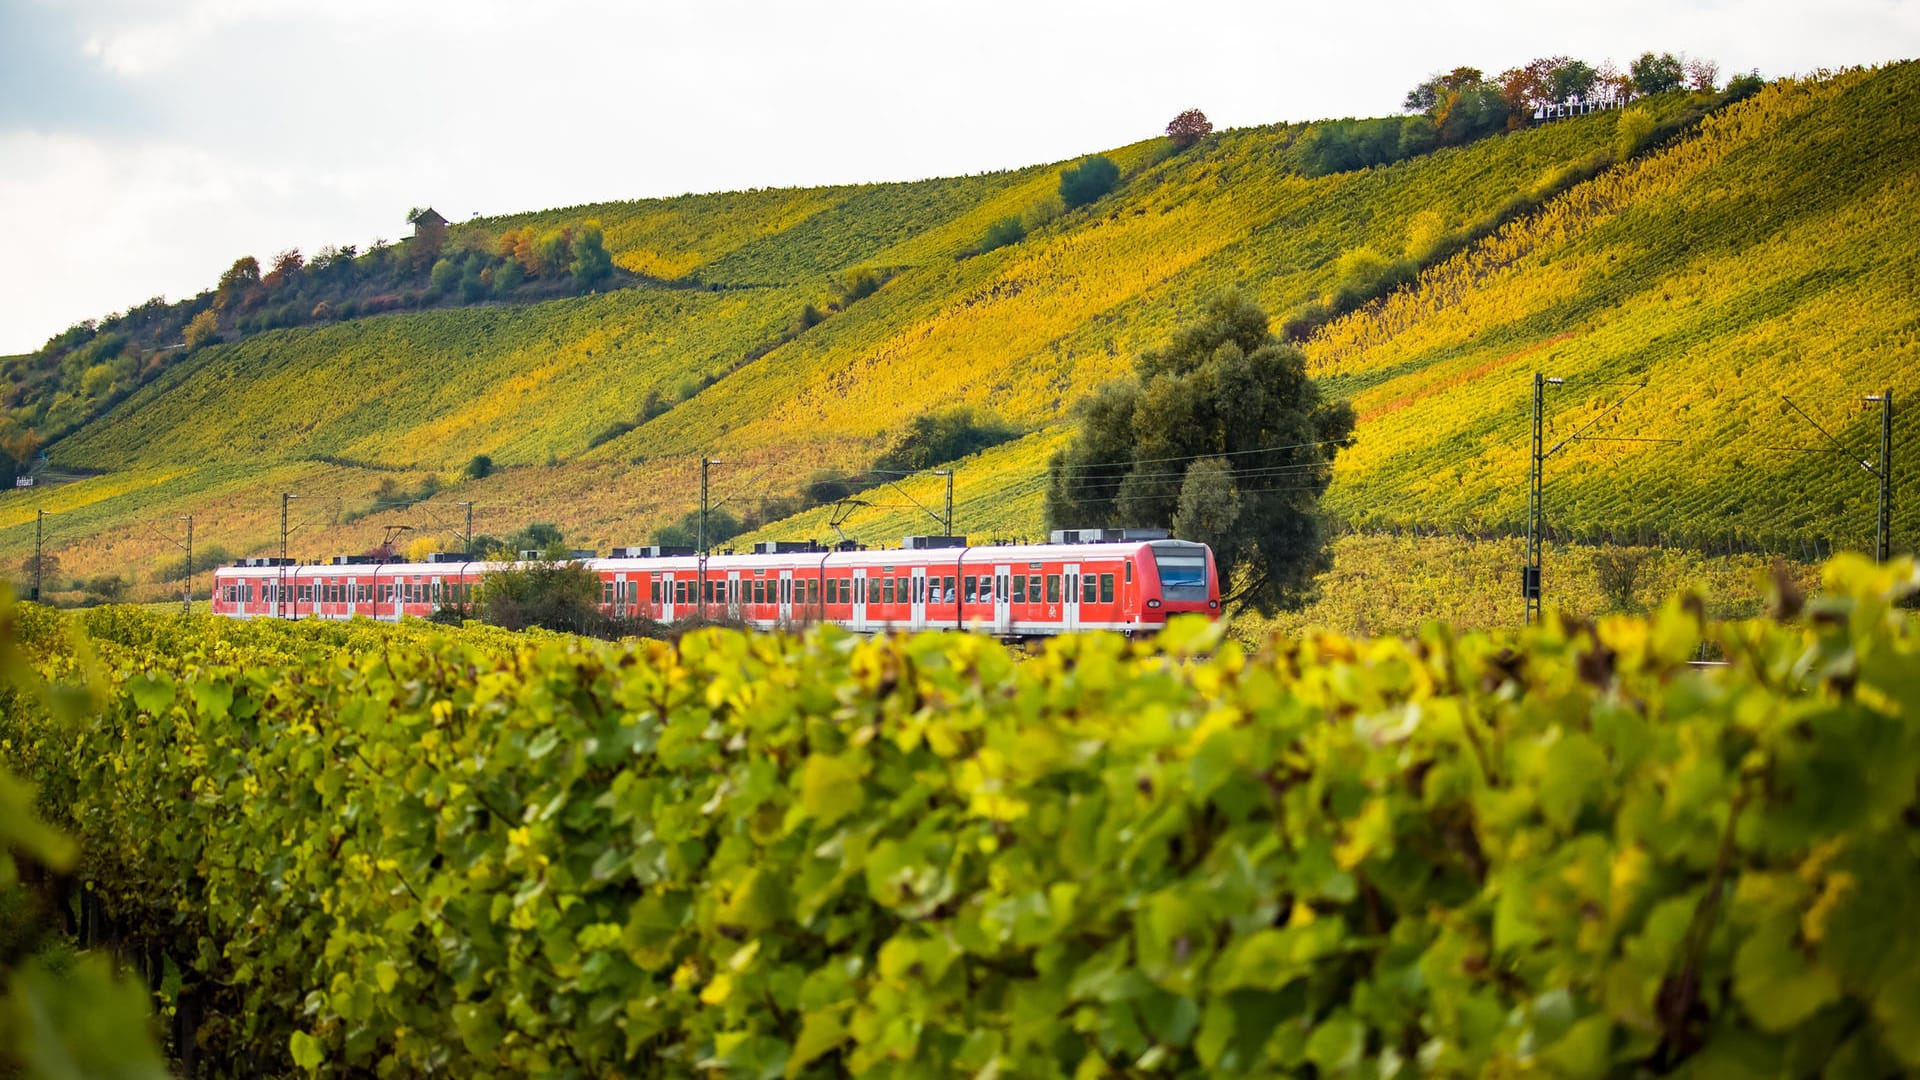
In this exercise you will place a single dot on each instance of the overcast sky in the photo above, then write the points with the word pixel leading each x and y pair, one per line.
pixel 146 144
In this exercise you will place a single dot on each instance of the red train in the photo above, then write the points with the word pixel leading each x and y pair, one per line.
pixel 1125 580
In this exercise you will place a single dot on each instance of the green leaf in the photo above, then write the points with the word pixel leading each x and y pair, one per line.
pixel 1576 771
pixel 151 692
pixel 820 1032
pixel 1337 1044
pixel 829 789
pixel 213 696
pixel 307 1052
pixel 1775 982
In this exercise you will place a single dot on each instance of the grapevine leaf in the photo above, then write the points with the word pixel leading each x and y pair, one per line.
pixel 1775 982
pixel 307 1052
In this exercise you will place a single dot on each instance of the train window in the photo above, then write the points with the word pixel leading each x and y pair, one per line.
pixel 606 592
pixel 1053 588
pixel 1089 591
pixel 947 588
pixel 919 590
pixel 656 592
pixel 1106 588
pixel 1129 572
pixel 967 585
pixel 1020 588
pixel 886 590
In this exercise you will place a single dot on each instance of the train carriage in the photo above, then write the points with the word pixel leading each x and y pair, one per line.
pixel 1122 580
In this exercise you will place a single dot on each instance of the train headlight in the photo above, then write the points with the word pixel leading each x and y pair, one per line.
pixel 1213 603
pixel 1153 603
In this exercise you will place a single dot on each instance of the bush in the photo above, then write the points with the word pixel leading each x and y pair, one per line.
pixel 1633 132
pixel 1008 230
pixel 551 595
pixel 203 329
pixel 936 438
pixel 479 467
pixel 1088 180
pixel 1560 851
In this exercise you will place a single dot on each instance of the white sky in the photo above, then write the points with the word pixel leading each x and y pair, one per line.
pixel 146 144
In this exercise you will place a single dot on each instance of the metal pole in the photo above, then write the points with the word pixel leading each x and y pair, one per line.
pixel 469 548
pixel 1530 582
pixel 186 602
pixel 701 584
pixel 285 606
pixel 39 555
pixel 949 502
pixel 1883 546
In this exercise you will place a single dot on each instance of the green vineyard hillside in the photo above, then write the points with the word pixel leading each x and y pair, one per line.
pixel 1769 248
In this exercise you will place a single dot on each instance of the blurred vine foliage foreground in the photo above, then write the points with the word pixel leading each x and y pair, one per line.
pixel 411 849
pixel 61 1015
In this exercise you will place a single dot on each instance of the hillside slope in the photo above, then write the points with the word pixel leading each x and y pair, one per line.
pixel 1776 253
pixel 1773 249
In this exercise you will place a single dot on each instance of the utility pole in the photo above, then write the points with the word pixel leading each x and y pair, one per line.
pixel 1883 472
pixel 469 545
pixel 1530 577
pixel 1530 586
pixel 186 602
pixel 39 551
pixel 1883 524
pixel 284 606
pixel 948 473
pixel 701 584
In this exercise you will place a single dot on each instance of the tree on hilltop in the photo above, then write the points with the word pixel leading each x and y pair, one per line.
pixel 1656 74
pixel 1189 128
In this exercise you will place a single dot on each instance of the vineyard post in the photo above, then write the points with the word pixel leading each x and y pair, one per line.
pixel 948 473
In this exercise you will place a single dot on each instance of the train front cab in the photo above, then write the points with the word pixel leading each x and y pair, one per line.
pixel 1178 577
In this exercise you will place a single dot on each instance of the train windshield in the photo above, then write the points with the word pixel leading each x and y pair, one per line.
pixel 1183 569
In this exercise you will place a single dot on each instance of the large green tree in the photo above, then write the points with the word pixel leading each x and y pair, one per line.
pixel 1223 438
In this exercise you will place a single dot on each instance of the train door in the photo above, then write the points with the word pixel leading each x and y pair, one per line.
pixel 918 612
pixel 786 596
pixel 666 597
pixel 859 619
pixel 1070 600
pixel 1003 600
pixel 733 594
